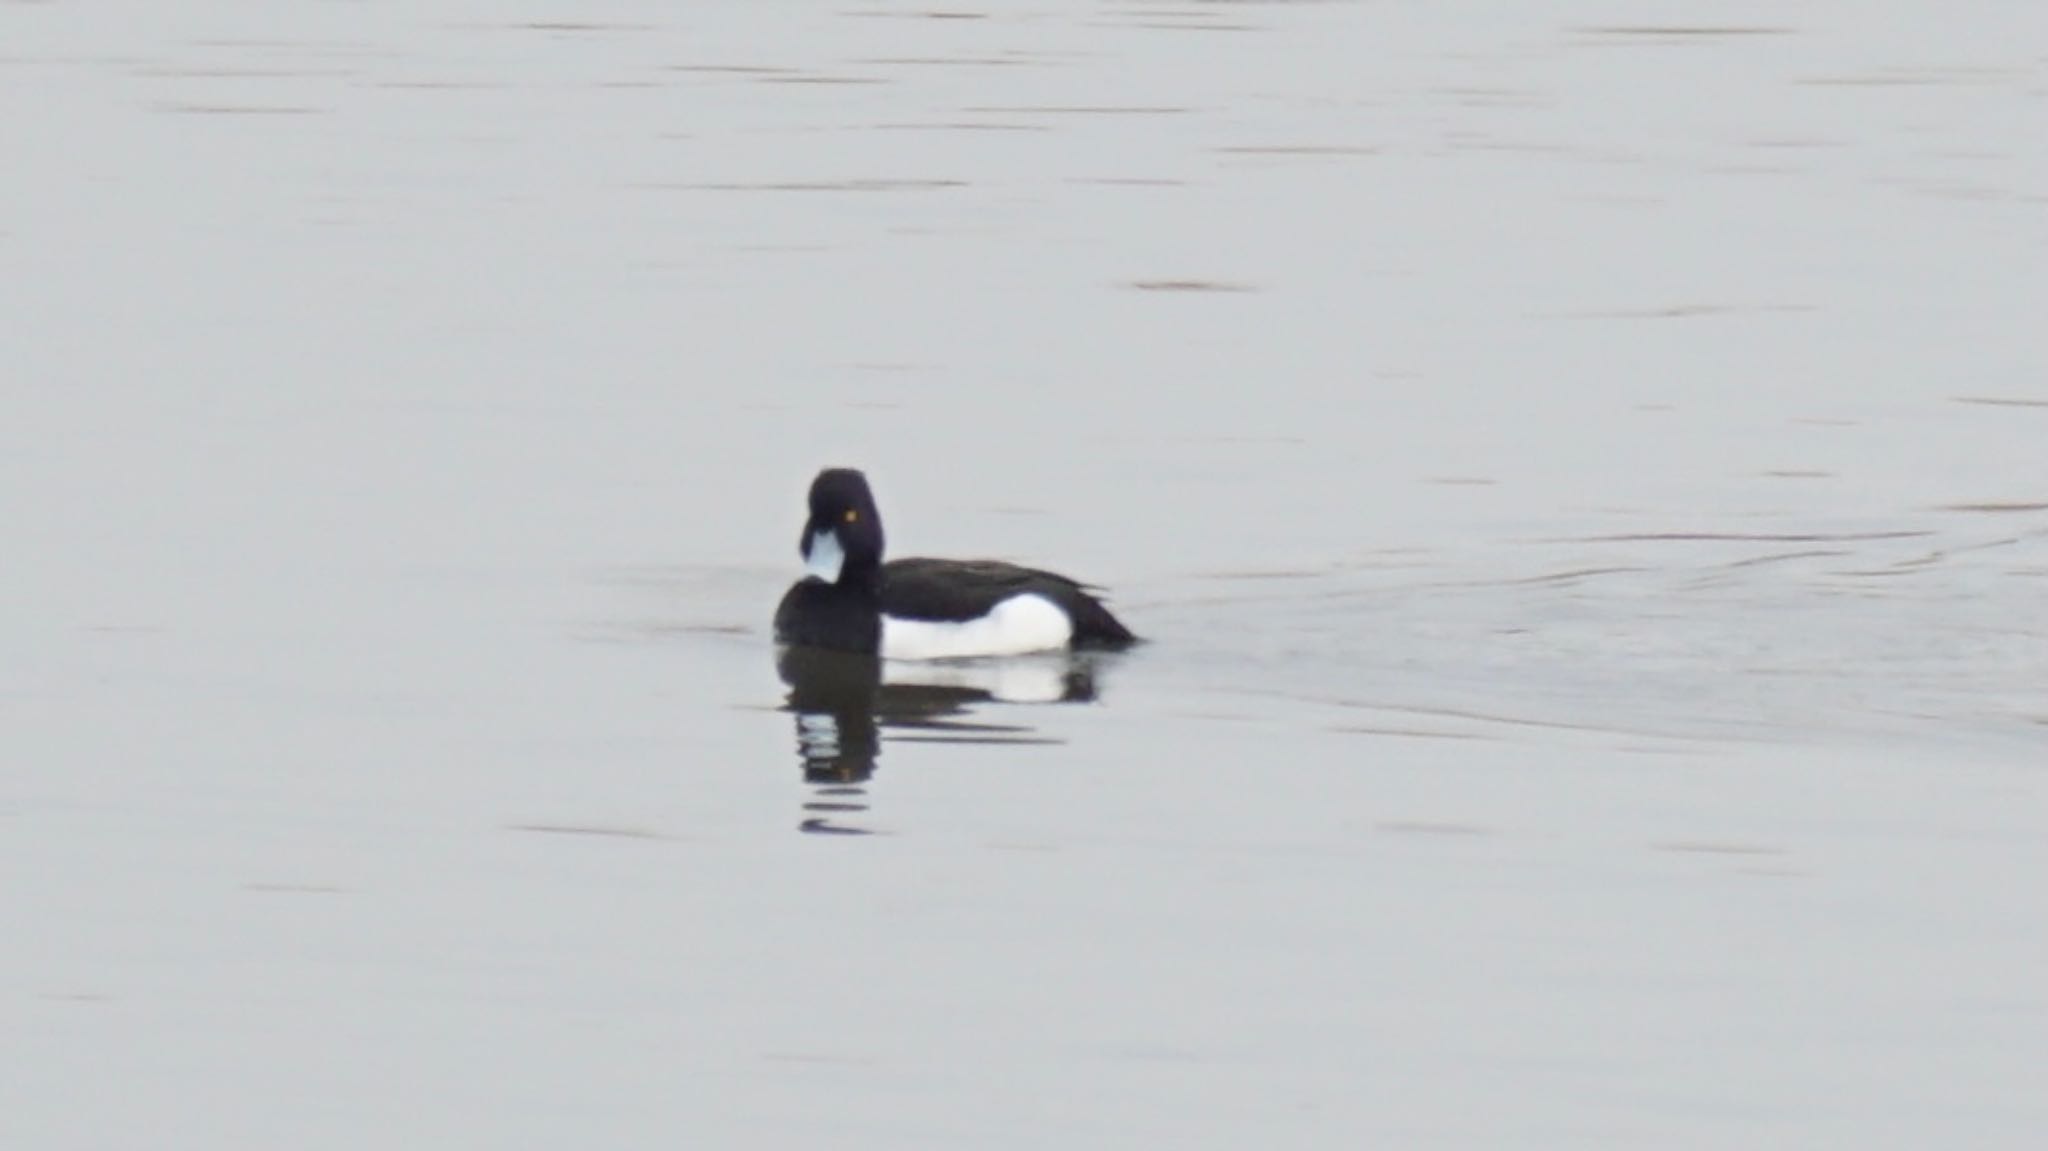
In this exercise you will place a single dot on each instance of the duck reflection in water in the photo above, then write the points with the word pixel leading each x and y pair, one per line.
pixel 842 701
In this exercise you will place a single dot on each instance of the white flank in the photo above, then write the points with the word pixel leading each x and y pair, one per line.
pixel 826 557
pixel 1020 624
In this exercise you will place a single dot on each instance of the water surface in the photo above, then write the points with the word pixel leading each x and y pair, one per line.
pixel 1579 471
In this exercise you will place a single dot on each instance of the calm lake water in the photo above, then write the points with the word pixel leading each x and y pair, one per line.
pixel 1580 470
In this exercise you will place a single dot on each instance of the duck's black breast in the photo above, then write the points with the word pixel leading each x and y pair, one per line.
pixel 953 591
pixel 814 613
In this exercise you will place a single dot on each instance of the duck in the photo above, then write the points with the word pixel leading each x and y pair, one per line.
pixel 923 609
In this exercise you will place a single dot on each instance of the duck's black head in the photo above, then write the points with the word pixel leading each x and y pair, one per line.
pixel 844 533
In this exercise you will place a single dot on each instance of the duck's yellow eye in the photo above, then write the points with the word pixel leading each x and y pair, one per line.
pixel 852 516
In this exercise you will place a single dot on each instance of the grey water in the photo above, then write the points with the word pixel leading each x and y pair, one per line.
pixel 1578 470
